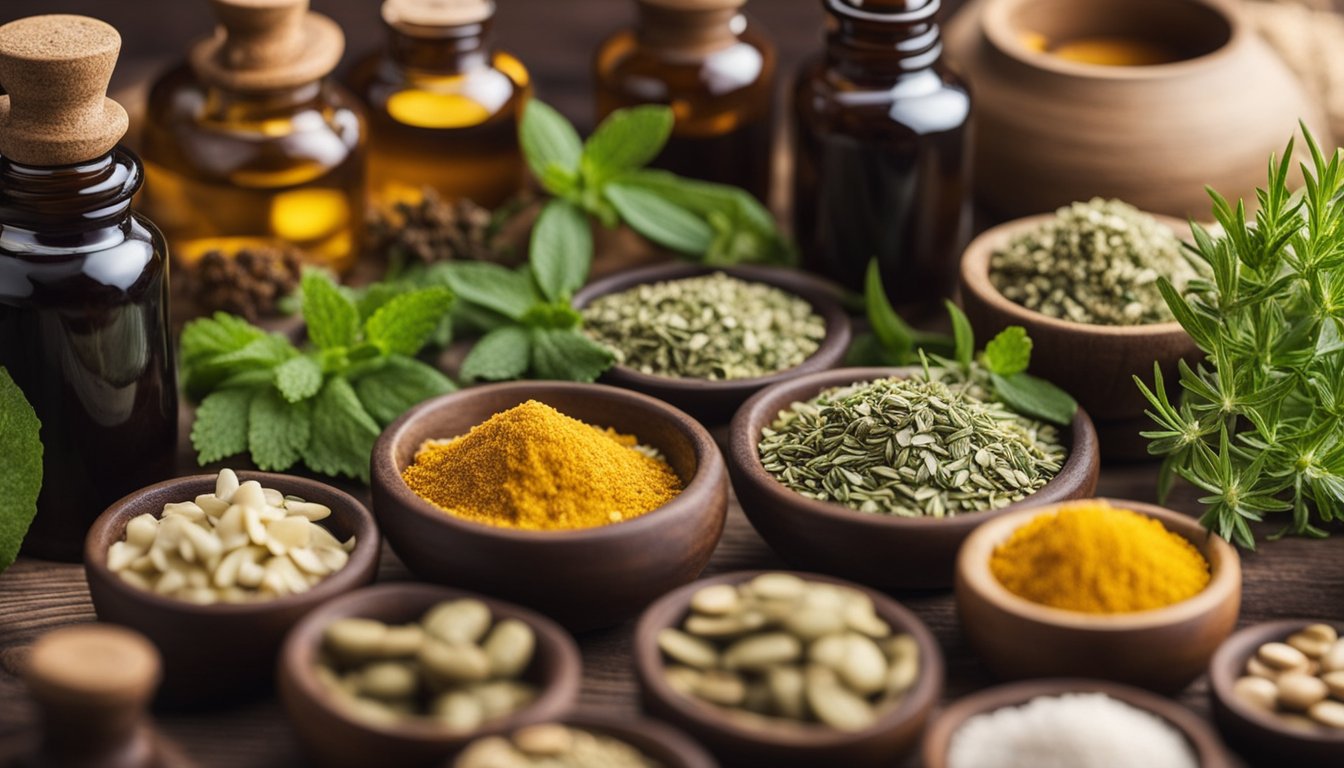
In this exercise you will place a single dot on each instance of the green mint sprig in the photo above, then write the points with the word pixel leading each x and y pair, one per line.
pixel 21 469
pixel 325 405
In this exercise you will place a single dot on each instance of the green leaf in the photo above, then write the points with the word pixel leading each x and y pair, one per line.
pixel 561 251
pixel 208 337
pixel 509 292
pixel 628 139
pixel 400 384
pixel 220 429
pixel 1009 352
pixel 298 378
pixel 343 433
pixel 278 430
pixel 261 354
pixel 890 329
pixel 500 355
pixel 332 319
pixel 404 324
pixel 550 143
pixel 21 469
pixel 567 355
pixel 1035 397
pixel 962 333
pixel 660 220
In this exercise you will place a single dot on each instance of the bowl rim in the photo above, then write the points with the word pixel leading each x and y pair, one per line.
pixel 709 463
pixel 974 271
pixel 821 294
pixel 690 753
pixel 1198 733
pixel 1081 436
pixel 1231 656
pixel 1224 565
pixel 918 700
pixel 299 648
pixel 363 558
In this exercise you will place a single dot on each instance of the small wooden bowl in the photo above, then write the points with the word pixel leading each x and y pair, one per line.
pixel 337 739
pixel 214 654
pixel 1094 363
pixel 657 741
pixel 584 579
pixel 883 551
pixel 1258 735
pixel 1162 650
pixel 895 732
pixel 938 742
pixel 714 402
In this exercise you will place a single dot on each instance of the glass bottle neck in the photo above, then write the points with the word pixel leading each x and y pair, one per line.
pixel 454 51
pixel 869 44
pixel 688 32
pixel 67 209
pixel 232 106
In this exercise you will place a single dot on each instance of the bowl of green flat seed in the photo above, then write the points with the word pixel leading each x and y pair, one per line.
pixel 706 339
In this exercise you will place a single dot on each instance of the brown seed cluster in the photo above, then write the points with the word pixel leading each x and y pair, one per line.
pixel 433 230
pixel 248 282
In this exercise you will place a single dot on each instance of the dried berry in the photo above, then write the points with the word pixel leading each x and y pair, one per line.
pixel 433 230
pixel 247 282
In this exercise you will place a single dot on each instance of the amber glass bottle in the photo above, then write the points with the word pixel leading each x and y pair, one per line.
pixel 249 144
pixel 882 155
pixel 443 105
pixel 83 280
pixel 715 69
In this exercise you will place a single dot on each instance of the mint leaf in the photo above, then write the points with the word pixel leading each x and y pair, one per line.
pixel 628 139
pixel 299 378
pixel 508 292
pixel 1035 397
pixel 220 429
pixel 405 323
pixel 333 320
pixel 567 355
pixel 550 144
pixel 500 355
pixel 210 336
pixel 1009 352
pixel 401 383
pixel 962 333
pixel 660 220
pixel 561 251
pixel 343 433
pixel 261 354
pixel 21 469
pixel 277 430
pixel 893 332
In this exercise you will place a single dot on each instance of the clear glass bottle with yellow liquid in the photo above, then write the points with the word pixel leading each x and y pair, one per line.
pixel 443 105
pixel 249 143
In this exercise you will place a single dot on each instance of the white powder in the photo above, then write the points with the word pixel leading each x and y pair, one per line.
pixel 1076 730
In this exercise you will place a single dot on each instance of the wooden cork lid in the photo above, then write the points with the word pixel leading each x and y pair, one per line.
pixel 263 45
pixel 695 5
pixel 92 666
pixel 56 69
pixel 430 17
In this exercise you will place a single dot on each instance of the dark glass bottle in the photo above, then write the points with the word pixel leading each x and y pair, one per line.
pixel 716 70
pixel 882 155
pixel 83 283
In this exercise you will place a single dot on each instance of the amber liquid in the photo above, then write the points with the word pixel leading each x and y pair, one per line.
pixel 84 332
pixel 721 100
pixel 225 172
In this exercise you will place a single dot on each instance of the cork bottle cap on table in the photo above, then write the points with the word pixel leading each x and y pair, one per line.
pixel 265 45
pixel 428 16
pixel 694 5
pixel 56 69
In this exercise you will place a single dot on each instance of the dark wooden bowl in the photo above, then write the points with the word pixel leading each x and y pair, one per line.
pixel 714 402
pixel 586 578
pixel 669 747
pixel 1094 363
pixel 214 654
pixel 894 733
pixel 1208 749
pixel 1259 736
pixel 883 551
pixel 1162 650
pixel 336 739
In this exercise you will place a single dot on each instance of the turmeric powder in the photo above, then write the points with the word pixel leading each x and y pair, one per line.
pixel 1095 558
pixel 534 468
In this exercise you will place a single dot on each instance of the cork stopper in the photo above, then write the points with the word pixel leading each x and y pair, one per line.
pixel 93 666
pixel 429 17
pixel 263 45
pixel 695 5
pixel 55 70
pixel 688 27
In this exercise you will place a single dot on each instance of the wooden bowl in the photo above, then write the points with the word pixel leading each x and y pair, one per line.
pixel 667 746
pixel 215 654
pixel 895 732
pixel 883 551
pixel 715 402
pixel 337 739
pixel 585 579
pixel 1050 131
pixel 1094 363
pixel 1162 649
pixel 937 743
pixel 1259 736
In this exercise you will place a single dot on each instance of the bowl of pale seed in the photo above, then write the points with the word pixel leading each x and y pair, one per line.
pixel 789 669
pixel 879 474
pixel 1083 282
pixel 587 740
pixel 408 674
pixel 705 339
pixel 215 569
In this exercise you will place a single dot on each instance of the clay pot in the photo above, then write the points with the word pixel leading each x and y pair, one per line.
pixel 1050 131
